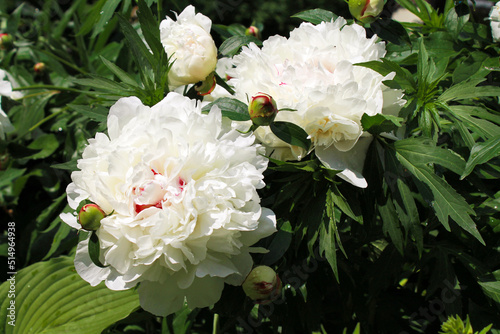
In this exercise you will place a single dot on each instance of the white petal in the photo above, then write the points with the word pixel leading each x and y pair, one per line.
pixel 204 291
pixel 161 299
pixel 350 163
pixel 70 219
pixel 86 268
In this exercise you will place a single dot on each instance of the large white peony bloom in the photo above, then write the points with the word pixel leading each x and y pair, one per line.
pixel 180 188
pixel 189 41
pixel 495 22
pixel 312 72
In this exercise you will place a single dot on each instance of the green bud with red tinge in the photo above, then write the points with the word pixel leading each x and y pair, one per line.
pixel 6 41
pixel 90 217
pixel 262 109
pixel 366 11
pixel 39 68
pixel 262 285
pixel 253 31
pixel 206 86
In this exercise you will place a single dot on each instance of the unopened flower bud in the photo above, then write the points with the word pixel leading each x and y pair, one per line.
pixel 206 86
pixel 90 217
pixel 366 11
pixel 252 31
pixel 262 109
pixel 6 41
pixel 39 68
pixel 262 285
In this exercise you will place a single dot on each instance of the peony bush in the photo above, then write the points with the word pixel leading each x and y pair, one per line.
pixel 165 169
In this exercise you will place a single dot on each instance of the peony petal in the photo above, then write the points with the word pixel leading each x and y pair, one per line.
pixel 161 299
pixel 204 292
pixel 349 163
pixel 86 268
pixel 70 219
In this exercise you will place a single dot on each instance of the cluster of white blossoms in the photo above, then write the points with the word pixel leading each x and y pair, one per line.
pixel 180 191
pixel 178 188
pixel 312 72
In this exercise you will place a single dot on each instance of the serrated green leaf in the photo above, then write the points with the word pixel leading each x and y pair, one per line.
pixel 230 108
pixel 232 45
pixel 446 202
pixel 105 15
pixel 316 16
pixel 456 18
pixel 340 201
pixel 379 123
pixel 51 298
pixel 423 152
pixel 291 134
pixel 403 77
pixel 477 119
pixel 150 29
pixel 481 153
pixel 468 90
pixel 327 238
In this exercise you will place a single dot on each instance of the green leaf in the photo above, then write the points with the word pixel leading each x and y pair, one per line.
pixel 390 224
pixel 481 153
pixel 97 113
pixel 468 90
pixel 280 244
pixel 92 18
pixel 232 45
pixel 423 152
pixel 491 289
pixel 150 29
pixel 456 18
pixel 316 16
pixel 327 236
pixel 95 250
pixel 403 77
pixel 51 298
pixel 379 123
pixel 9 175
pixel 291 134
pixel 46 145
pixel 477 119
pixel 70 165
pixel 121 74
pixel 230 108
pixel 391 31
pixel 343 204
pixel 105 15
pixel 446 202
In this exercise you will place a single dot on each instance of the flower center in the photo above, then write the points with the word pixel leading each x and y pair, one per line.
pixel 158 192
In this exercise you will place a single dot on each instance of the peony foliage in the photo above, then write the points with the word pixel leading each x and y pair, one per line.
pixel 240 167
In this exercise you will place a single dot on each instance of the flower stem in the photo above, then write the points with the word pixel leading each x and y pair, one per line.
pixel 215 329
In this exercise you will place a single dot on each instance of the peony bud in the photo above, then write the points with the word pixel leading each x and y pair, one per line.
pixel 252 31
pixel 262 285
pixel 206 86
pixel 90 217
pixel 262 109
pixel 189 43
pixel 366 11
pixel 6 41
pixel 39 68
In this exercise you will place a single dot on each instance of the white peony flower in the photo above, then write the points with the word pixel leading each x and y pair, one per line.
pixel 312 72
pixel 180 191
pixel 6 90
pixel 495 22
pixel 189 41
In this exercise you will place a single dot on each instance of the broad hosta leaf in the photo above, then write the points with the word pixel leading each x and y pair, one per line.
pixel 316 16
pixel 445 200
pixel 51 298
pixel 481 153
pixel 291 134
pixel 232 45
pixel 230 108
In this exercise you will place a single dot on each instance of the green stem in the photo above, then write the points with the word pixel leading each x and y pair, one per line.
pixel 46 119
pixel 56 88
pixel 215 329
